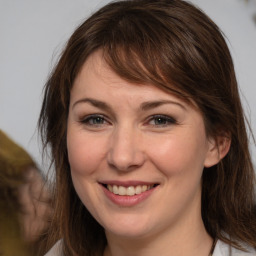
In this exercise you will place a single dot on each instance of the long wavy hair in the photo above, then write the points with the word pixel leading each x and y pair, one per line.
pixel 173 45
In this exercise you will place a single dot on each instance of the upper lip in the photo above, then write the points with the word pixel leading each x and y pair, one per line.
pixel 127 183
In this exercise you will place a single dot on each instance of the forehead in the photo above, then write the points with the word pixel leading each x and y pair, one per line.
pixel 95 68
pixel 96 78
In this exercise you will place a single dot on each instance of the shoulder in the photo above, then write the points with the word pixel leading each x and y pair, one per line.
pixel 223 249
pixel 56 250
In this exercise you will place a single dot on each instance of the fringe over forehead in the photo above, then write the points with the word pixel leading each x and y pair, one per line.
pixel 167 43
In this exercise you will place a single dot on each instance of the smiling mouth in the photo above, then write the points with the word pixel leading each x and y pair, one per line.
pixel 130 190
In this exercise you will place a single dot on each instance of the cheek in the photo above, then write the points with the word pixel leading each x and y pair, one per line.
pixel 180 154
pixel 84 158
pixel 83 155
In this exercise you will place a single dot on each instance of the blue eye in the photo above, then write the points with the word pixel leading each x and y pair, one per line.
pixel 161 120
pixel 94 120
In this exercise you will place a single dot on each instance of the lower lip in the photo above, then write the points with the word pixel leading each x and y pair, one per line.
pixel 128 201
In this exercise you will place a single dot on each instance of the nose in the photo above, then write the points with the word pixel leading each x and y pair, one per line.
pixel 125 150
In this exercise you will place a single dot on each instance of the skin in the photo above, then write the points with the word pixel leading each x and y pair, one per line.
pixel 126 142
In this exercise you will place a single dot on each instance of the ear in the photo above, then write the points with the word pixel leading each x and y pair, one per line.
pixel 217 149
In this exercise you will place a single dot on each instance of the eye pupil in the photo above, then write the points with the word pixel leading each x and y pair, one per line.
pixel 98 120
pixel 160 120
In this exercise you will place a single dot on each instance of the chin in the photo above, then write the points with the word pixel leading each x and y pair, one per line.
pixel 130 229
pixel 128 234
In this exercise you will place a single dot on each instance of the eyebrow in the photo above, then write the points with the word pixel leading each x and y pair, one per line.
pixel 144 106
pixel 96 103
pixel 153 104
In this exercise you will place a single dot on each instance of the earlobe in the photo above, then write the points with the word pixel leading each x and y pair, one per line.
pixel 218 149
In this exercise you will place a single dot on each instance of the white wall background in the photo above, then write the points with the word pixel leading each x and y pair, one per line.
pixel 33 32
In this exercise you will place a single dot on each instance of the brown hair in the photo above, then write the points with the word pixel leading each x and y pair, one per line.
pixel 174 46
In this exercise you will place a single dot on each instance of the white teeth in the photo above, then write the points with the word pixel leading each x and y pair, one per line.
pixel 138 190
pixel 144 188
pixel 115 189
pixel 128 191
pixel 122 191
pixel 110 188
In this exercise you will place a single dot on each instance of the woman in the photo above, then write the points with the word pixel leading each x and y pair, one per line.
pixel 148 138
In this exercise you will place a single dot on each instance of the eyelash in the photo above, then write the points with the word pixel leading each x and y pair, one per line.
pixel 92 118
pixel 164 120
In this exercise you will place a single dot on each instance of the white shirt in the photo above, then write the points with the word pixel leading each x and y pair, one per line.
pixel 221 249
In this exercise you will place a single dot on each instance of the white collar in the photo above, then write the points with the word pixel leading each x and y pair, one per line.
pixel 223 249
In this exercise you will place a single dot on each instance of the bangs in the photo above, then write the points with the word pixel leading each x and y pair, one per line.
pixel 176 48
pixel 135 49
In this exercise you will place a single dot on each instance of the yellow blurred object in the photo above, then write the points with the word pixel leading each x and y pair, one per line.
pixel 11 243
pixel 14 161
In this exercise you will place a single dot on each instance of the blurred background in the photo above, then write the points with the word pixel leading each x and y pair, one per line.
pixel 33 33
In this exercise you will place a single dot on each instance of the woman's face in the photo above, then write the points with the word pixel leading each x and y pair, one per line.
pixel 136 153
